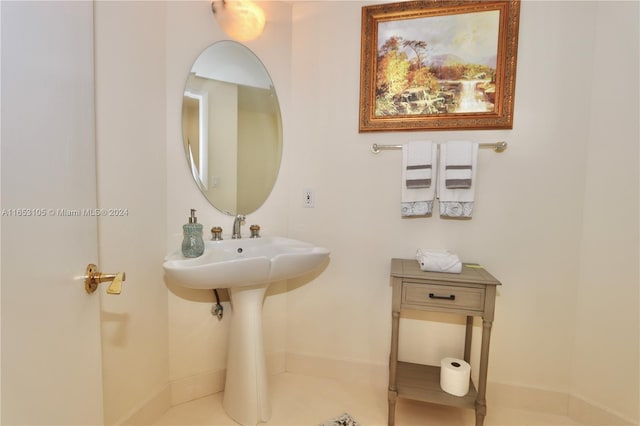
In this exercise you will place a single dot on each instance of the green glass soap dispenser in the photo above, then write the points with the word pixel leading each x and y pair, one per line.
pixel 192 243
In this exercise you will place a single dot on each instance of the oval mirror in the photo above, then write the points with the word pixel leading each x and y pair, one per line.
pixel 232 128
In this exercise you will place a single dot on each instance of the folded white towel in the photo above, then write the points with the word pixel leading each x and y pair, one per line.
pixel 418 174
pixel 456 185
pixel 435 260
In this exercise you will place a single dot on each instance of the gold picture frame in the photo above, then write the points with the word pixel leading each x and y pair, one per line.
pixel 438 65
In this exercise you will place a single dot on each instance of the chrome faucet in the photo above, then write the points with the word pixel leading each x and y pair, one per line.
pixel 236 226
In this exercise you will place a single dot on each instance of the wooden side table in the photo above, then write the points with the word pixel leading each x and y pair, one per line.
pixel 471 293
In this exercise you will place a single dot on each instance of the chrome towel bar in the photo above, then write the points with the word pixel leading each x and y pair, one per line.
pixel 497 147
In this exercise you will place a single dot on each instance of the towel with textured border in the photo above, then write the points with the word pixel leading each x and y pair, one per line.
pixel 456 185
pixel 419 168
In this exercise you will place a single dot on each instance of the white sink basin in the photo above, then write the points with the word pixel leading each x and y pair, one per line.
pixel 244 262
pixel 246 267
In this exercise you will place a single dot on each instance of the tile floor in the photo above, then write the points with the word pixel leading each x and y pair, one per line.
pixel 299 400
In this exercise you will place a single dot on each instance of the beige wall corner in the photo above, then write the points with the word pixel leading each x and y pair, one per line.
pixel 150 410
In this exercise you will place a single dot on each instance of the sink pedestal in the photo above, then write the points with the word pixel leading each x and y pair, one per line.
pixel 239 265
pixel 246 398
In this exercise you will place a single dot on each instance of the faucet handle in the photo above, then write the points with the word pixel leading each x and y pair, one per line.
pixel 255 231
pixel 216 233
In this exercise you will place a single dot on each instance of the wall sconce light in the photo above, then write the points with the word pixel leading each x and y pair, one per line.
pixel 241 20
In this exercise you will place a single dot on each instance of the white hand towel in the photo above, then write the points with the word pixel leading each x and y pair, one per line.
pixel 434 260
pixel 456 184
pixel 418 178
pixel 419 165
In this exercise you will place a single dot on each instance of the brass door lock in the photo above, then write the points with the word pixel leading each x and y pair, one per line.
pixel 93 277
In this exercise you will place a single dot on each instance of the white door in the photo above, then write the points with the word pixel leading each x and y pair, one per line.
pixel 51 358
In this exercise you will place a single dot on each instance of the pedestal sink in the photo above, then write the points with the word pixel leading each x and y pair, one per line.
pixel 245 267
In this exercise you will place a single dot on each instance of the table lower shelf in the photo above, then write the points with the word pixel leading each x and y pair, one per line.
pixel 422 383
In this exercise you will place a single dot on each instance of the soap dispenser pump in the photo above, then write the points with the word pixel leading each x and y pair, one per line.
pixel 192 243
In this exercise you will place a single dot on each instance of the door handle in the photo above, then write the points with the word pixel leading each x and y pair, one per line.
pixel 93 277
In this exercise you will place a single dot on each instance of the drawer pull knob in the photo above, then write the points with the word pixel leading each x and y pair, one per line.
pixel 449 297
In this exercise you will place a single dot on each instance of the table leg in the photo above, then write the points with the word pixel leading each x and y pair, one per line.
pixel 467 339
pixel 393 396
pixel 393 366
pixel 481 402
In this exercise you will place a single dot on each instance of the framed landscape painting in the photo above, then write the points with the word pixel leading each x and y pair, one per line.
pixel 438 65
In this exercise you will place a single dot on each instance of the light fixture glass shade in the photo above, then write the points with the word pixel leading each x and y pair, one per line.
pixel 241 20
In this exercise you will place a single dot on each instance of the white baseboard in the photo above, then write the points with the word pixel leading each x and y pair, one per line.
pixel 504 395
pixel 527 398
pixel 349 371
pixel 554 402
pixel 590 414
pixel 197 386
pixel 150 410
pixel 276 363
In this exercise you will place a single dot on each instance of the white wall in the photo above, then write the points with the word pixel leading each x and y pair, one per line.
pixel 0 221
pixel 537 225
pixel 130 114
pixel 607 298
pixel 544 225
pixel 526 220
pixel 530 220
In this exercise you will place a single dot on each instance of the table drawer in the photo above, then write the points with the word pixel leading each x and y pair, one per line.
pixel 443 296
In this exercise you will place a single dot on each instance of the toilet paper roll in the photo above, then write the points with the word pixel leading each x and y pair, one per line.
pixel 454 376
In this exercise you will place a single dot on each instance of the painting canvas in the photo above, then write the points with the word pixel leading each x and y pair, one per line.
pixel 426 67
